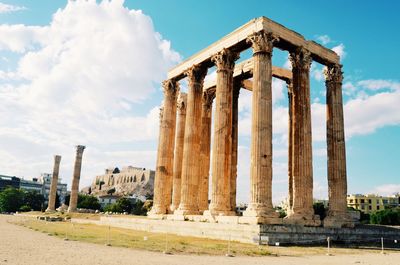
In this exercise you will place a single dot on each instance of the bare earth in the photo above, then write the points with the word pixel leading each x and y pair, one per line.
pixel 19 245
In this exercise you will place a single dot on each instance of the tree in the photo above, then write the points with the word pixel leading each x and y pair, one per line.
pixel 33 200
pixel 11 199
pixel 88 202
pixel 124 204
pixel 386 217
pixel 319 209
pixel 111 191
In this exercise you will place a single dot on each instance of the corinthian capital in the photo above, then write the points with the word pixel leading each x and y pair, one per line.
pixel 181 103
pixel 208 97
pixel 80 148
pixel 225 60
pixel 333 73
pixel 301 58
pixel 196 74
pixel 262 41
pixel 170 87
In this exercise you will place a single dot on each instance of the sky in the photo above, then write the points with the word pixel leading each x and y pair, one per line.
pixel 90 73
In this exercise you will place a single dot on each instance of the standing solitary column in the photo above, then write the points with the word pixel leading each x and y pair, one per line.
pixel 165 156
pixel 205 144
pixel 303 212
pixel 73 201
pixel 290 147
pixel 222 147
pixel 260 208
pixel 337 178
pixel 235 114
pixel 51 207
pixel 178 153
pixel 191 149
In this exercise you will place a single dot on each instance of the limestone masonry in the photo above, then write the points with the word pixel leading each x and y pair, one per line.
pixel 125 182
pixel 184 157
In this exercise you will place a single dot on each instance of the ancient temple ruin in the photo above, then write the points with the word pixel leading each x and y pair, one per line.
pixel 183 161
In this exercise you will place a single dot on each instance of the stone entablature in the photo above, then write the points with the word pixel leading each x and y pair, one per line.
pixel 127 181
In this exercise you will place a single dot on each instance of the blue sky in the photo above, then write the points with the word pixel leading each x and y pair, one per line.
pixel 90 74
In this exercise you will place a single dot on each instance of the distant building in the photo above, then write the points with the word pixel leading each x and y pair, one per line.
pixel 31 185
pixel 105 200
pixel 9 181
pixel 371 203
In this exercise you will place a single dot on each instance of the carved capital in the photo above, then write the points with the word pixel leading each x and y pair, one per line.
pixel 333 73
pixel 262 42
pixel 170 88
pixel 181 103
pixel 208 98
pixel 225 60
pixel 80 148
pixel 196 75
pixel 300 59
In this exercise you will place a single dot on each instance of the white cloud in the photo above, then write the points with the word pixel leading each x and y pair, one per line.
pixel 339 49
pixel 377 84
pixel 386 189
pixel 6 8
pixel 324 39
pixel 86 78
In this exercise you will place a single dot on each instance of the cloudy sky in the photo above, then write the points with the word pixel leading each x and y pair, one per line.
pixel 89 72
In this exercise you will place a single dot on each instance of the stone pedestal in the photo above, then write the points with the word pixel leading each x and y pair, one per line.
pixel 51 207
pixel 191 150
pixel 260 207
pixel 205 144
pixel 73 202
pixel 222 146
pixel 302 212
pixel 178 153
pixel 165 158
pixel 337 178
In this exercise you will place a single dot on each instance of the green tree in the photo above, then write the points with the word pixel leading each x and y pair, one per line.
pixel 11 199
pixel 319 209
pixel 386 217
pixel 124 204
pixel 88 202
pixel 33 200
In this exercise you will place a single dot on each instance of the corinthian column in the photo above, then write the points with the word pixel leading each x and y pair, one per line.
pixel 165 156
pixel 178 153
pixel 303 212
pixel 73 201
pixel 235 114
pixel 51 207
pixel 337 178
pixel 191 149
pixel 260 208
pixel 290 147
pixel 222 147
pixel 205 143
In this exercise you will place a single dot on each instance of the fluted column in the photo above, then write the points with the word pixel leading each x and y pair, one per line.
pixel 260 205
pixel 191 150
pixel 51 207
pixel 290 147
pixel 222 146
pixel 205 144
pixel 165 156
pixel 178 153
pixel 337 177
pixel 235 116
pixel 303 212
pixel 73 201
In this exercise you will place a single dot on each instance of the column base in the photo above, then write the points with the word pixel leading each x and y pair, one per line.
pixel 50 210
pixel 183 212
pixel 158 210
pixel 214 213
pixel 260 220
pixel 71 210
pixel 338 220
pixel 260 214
pixel 302 219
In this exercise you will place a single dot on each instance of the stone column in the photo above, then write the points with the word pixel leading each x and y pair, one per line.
pixel 51 207
pixel 165 156
pixel 205 144
pixel 178 153
pixel 222 146
pixel 73 201
pixel 260 208
pixel 290 147
pixel 191 149
pixel 303 212
pixel 235 116
pixel 337 177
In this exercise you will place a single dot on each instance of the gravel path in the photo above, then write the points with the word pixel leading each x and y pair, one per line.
pixel 19 245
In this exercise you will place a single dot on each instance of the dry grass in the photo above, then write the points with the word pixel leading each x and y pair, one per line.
pixel 167 242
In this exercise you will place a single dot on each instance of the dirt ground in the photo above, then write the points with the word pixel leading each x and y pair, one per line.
pixel 19 245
